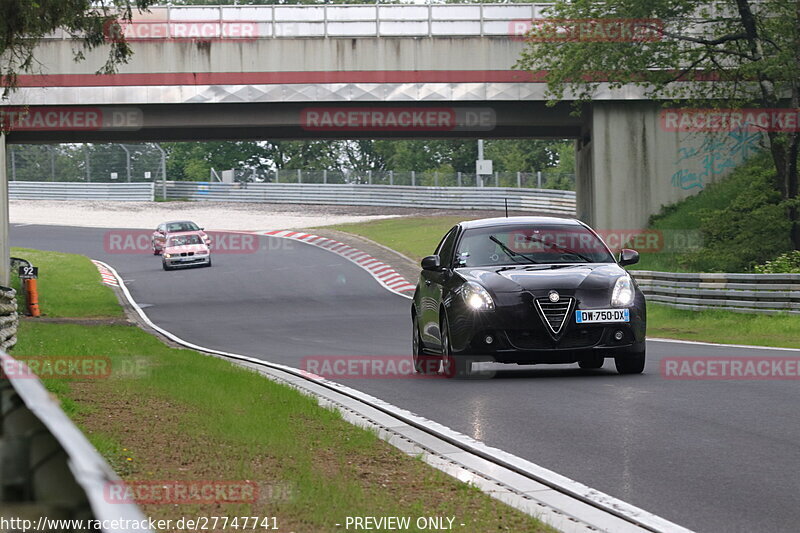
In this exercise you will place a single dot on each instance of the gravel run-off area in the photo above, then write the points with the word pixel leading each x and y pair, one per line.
pixel 210 215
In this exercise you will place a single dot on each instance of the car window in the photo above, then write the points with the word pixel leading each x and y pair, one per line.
pixel 552 243
pixel 445 248
pixel 174 227
pixel 182 240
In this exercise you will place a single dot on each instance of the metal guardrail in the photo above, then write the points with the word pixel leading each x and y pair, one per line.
pixel 369 20
pixel 9 319
pixel 48 469
pixel 532 200
pixel 45 190
pixel 744 293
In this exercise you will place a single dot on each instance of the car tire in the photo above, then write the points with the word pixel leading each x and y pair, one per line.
pixel 592 363
pixel 423 364
pixel 453 367
pixel 209 263
pixel 630 363
pixel 165 267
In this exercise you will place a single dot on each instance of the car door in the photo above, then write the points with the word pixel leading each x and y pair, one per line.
pixel 431 283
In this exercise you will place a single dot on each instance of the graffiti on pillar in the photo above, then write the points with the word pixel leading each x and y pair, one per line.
pixel 718 152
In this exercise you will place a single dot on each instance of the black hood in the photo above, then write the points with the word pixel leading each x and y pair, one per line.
pixel 539 279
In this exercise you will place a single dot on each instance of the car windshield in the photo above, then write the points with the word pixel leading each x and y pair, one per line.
pixel 182 240
pixel 509 245
pixel 173 227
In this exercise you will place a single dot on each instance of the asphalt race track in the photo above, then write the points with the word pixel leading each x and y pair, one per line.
pixel 713 456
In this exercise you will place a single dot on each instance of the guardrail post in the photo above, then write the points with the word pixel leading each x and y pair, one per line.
pixel 496 179
pixel 538 179
pixel 277 177
pixel 299 176
pixel 413 178
pixel 519 180
pixel 436 179
pixel 459 179
pixel 325 176
pixel 391 177
pixel 369 177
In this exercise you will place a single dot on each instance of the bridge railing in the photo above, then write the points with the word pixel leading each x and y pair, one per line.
pixel 745 293
pixel 48 469
pixel 371 20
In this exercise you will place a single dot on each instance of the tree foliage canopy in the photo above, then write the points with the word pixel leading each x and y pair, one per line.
pixel 23 24
pixel 723 54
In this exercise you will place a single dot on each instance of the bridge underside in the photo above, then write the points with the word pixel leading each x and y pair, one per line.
pixel 284 120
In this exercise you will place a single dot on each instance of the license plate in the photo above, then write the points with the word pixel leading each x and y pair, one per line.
pixel 602 315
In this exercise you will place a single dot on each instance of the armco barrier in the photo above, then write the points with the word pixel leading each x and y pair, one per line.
pixel 48 470
pixel 8 318
pixel 56 190
pixel 745 293
pixel 533 200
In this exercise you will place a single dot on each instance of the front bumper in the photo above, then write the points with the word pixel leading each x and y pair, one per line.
pixel 519 335
pixel 187 261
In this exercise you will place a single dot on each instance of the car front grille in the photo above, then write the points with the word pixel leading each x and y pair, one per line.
pixel 185 254
pixel 554 315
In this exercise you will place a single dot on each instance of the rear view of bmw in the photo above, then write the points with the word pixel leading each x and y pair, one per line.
pixel 527 290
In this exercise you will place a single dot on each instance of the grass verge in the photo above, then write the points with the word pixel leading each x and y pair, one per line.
pixel 69 286
pixel 174 414
pixel 417 237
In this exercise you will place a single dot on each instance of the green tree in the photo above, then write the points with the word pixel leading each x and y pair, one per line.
pixel 23 24
pixel 750 49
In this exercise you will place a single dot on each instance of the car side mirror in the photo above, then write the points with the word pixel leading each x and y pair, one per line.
pixel 628 257
pixel 432 262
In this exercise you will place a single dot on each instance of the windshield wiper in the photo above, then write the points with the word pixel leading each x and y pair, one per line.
pixel 560 248
pixel 511 253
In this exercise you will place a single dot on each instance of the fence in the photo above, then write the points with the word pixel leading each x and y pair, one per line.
pixel 43 190
pixel 745 293
pixel 533 200
pixel 8 318
pixel 538 180
pixel 48 469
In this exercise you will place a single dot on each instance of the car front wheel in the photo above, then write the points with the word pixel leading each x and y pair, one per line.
pixel 423 364
pixel 631 362
pixel 165 267
pixel 453 367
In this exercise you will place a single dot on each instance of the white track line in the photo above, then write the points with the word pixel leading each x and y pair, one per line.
pixel 576 491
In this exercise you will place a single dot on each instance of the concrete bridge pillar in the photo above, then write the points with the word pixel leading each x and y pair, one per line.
pixel 5 266
pixel 629 163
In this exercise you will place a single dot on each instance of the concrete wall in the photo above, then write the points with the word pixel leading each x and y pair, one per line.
pixel 636 166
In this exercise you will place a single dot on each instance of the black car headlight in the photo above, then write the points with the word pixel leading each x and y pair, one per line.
pixel 623 294
pixel 476 297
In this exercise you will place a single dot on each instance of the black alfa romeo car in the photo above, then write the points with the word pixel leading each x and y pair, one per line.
pixel 526 290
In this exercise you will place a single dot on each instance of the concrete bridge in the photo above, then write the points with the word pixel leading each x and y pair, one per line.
pixel 256 72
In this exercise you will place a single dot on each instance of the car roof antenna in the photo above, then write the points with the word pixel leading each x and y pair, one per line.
pixel 506 202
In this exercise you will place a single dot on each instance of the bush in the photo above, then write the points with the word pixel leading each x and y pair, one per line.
pixel 741 219
pixel 784 263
